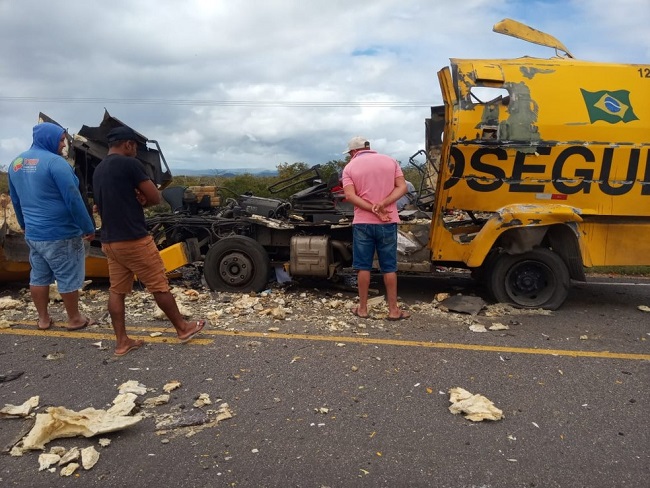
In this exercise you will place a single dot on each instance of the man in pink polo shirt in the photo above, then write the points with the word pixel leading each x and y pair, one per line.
pixel 373 182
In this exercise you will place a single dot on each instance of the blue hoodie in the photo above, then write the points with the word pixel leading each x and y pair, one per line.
pixel 45 191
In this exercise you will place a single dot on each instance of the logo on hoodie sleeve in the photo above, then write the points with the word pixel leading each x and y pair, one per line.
pixel 28 164
pixel 17 164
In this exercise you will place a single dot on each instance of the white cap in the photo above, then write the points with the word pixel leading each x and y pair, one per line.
pixel 357 142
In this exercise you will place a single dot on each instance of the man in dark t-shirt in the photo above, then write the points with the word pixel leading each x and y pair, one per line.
pixel 121 189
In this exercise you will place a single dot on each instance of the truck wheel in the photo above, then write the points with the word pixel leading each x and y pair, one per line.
pixel 535 279
pixel 236 263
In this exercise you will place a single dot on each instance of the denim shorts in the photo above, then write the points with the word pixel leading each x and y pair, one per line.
pixel 370 238
pixel 63 261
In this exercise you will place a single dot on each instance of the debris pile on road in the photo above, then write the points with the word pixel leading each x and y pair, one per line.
pixel 202 400
pixel 278 309
pixel 7 303
pixel 8 215
pixel 60 422
pixel 475 407
pixel 14 411
pixel 171 386
pixel 67 459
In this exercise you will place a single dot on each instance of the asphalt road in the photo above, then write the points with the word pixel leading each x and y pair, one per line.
pixel 337 409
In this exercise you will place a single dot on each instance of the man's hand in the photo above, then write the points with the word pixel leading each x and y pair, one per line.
pixel 380 211
pixel 142 200
pixel 89 237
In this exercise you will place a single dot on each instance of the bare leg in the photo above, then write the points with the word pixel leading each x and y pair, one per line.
pixel 71 303
pixel 116 311
pixel 363 285
pixel 167 304
pixel 390 283
pixel 41 299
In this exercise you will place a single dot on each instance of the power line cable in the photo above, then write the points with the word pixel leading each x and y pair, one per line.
pixel 219 103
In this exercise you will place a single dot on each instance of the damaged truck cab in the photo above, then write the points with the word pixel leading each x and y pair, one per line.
pixel 547 163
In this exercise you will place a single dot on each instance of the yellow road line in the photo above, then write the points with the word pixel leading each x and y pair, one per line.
pixel 344 339
pixel 85 334
pixel 436 345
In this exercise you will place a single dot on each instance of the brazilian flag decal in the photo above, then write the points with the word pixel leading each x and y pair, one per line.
pixel 610 106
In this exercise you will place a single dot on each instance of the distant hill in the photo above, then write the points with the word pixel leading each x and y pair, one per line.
pixel 224 172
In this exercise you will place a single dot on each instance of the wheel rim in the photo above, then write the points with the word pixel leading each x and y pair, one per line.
pixel 530 283
pixel 236 269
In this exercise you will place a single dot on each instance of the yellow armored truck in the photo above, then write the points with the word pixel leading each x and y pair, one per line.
pixel 547 161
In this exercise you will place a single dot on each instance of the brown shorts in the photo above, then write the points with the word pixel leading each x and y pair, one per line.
pixel 140 258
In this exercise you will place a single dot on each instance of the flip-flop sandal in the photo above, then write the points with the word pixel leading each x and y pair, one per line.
pixel 48 325
pixel 402 316
pixel 79 327
pixel 355 311
pixel 200 324
pixel 138 344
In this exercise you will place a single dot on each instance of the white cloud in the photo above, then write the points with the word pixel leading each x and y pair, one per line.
pixel 255 83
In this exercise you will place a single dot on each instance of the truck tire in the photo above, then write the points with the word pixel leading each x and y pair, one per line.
pixel 534 279
pixel 238 264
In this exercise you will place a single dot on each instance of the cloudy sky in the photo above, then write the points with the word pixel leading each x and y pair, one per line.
pixel 255 83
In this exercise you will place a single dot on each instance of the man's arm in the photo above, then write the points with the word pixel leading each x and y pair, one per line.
pixel 352 197
pixel 398 192
pixel 357 201
pixel 15 201
pixel 147 193
pixel 68 185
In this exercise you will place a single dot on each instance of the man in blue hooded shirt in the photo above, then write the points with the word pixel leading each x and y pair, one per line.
pixel 49 208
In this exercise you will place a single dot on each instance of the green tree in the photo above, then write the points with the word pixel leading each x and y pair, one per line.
pixel 295 177
pixel 194 180
pixel 245 183
pixel 287 170
pixel 412 174
pixel 334 166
